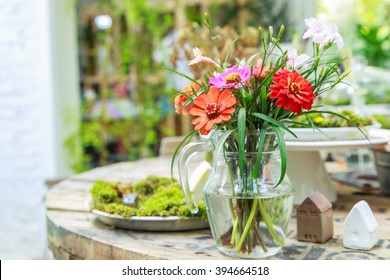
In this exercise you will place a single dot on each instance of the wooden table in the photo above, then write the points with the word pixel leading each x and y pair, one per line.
pixel 73 233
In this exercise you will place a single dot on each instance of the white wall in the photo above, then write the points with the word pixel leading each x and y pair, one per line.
pixel 38 82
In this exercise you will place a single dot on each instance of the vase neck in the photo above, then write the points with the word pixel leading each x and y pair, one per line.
pixel 252 142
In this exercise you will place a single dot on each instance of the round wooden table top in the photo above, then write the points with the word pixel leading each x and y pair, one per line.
pixel 74 233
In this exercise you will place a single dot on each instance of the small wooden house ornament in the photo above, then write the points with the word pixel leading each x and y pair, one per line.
pixel 315 219
pixel 360 227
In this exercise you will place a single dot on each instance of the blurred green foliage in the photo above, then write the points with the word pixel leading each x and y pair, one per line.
pixel 384 120
pixel 373 31
pixel 103 138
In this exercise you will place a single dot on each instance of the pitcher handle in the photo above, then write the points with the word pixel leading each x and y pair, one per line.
pixel 184 157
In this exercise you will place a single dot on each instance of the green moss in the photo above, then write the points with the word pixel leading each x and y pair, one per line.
pixel 116 209
pixel 202 212
pixel 164 202
pixel 328 120
pixel 103 192
pixel 122 188
pixel 384 120
pixel 150 185
pixel 158 196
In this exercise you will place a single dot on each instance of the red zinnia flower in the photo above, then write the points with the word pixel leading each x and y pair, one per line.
pixel 181 99
pixel 292 91
pixel 212 108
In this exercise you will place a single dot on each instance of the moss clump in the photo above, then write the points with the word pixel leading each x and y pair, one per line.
pixel 319 120
pixel 158 196
pixel 202 212
pixel 103 192
pixel 116 209
pixel 384 120
pixel 150 185
pixel 164 202
pixel 122 188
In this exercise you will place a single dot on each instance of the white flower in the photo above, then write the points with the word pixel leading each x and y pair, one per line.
pixel 295 60
pixel 334 36
pixel 199 57
pixel 317 30
pixel 322 34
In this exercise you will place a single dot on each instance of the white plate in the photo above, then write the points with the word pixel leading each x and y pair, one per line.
pixel 328 134
pixel 172 223
pixel 317 145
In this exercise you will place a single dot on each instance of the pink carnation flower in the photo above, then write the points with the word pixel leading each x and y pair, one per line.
pixel 317 30
pixel 260 70
pixel 295 60
pixel 334 36
pixel 199 57
pixel 232 78
pixel 321 33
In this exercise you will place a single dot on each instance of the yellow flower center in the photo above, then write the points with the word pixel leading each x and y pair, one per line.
pixel 212 110
pixel 233 77
pixel 295 88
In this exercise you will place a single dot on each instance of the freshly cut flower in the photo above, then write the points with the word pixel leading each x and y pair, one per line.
pixel 295 60
pixel 212 108
pixel 199 58
pixel 293 92
pixel 280 85
pixel 334 36
pixel 232 78
pixel 317 30
pixel 181 99
pixel 260 70
pixel 323 34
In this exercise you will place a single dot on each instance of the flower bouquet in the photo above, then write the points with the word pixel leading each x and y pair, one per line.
pixel 246 108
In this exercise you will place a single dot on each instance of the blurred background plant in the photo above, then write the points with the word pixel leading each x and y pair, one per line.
pixel 123 89
pixel 373 32
pixel 365 25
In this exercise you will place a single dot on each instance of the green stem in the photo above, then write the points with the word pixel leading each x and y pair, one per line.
pixel 269 224
pixel 258 235
pixel 235 223
pixel 233 239
pixel 247 226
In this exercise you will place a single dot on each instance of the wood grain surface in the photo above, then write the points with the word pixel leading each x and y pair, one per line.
pixel 74 233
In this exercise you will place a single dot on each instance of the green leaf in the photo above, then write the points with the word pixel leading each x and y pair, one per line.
pixel 230 50
pixel 221 141
pixel 283 153
pixel 252 57
pixel 183 75
pixel 256 168
pixel 263 97
pixel 189 97
pixel 340 116
pixel 241 140
pixel 274 122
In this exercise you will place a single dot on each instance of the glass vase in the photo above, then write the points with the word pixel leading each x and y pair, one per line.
pixel 248 206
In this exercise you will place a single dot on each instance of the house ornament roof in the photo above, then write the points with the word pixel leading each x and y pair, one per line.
pixel 319 200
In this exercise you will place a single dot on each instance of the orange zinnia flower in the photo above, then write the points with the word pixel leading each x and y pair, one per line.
pixel 292 90
pixel 212 108
pixel 181 99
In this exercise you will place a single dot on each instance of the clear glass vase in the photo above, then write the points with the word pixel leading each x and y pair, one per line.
pixel 248 207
